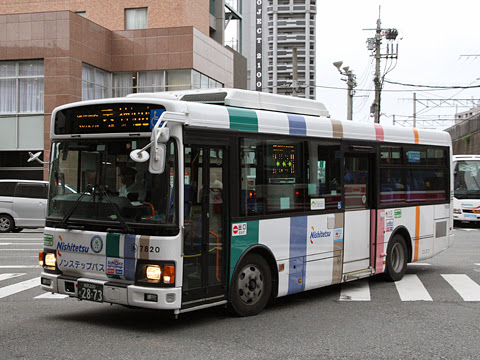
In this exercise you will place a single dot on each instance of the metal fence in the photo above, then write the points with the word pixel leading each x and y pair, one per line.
pixel 464 128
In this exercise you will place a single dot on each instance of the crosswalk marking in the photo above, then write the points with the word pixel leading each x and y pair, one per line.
pixel 21 286
pixel 410 288
pixel 10 276
pixel 51 296
pixel 19 266
pixel 355 291
pixel 468 289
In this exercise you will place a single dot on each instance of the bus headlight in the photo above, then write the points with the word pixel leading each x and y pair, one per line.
pixel 457 211
pixel 153 272
pixel 50 260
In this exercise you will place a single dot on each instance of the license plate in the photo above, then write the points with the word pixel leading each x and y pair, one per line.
pixel 471 216
pixel 90 292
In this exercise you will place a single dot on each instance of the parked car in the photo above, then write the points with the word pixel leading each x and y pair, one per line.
pixel 22 204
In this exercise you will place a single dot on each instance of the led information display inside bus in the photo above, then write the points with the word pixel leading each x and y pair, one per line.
pixel 105 119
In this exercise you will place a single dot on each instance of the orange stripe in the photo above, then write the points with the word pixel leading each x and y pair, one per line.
pixel 417 232
pixel 417 139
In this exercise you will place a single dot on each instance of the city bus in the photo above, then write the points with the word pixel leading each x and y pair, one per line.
pixel 466 200
pixel 186 200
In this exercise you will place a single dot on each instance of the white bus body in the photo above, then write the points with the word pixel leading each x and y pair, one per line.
pixel 466 201
pixel 278 221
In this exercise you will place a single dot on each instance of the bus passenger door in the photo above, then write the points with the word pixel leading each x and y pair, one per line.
pixel 358 177
pixel 204 241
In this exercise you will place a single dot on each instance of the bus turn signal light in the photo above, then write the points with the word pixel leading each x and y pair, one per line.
pixel 40 259
pixel 169 274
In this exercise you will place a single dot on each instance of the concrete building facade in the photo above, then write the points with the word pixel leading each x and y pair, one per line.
pixel 271 29
pixel 56 52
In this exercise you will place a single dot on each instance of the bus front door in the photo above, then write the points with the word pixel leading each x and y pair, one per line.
pixel 358 175
pixel 204 240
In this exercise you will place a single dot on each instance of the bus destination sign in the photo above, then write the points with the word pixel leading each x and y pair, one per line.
pixel 108 118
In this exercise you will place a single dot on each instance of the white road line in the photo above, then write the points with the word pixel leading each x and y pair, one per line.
pixel 410 288
pixel 21 286
pixel 20 244
pixel 10 276
pixel 355 291
pixel 38 249
pixel 468 289
pixel 19 266
pixel 51 296
pixel 419 264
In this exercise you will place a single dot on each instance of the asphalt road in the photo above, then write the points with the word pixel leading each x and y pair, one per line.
pixel 433 314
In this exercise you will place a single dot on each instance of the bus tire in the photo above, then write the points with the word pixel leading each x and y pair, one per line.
pixel 6 223
pixel 396 265
pixel 251 287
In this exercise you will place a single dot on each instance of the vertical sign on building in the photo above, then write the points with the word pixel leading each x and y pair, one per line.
pixel 258 48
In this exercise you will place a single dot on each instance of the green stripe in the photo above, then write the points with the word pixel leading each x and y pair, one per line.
pixel 241 243
pixel 243 119
pixel 113 245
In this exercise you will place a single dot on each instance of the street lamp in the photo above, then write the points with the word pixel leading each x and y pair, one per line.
pixel 351 80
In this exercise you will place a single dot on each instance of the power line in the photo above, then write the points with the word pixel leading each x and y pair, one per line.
pixel 434 86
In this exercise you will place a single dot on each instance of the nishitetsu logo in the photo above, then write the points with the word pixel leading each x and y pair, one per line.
pixel 314 234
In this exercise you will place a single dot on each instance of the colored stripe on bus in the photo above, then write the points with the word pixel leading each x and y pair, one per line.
pixel 417 138
pixel 113 245
pixel 243 119
pixel 379 132
pixel 417 232
pixel 298 251
pixel 129 248
pixel 337 128
pixel 297 125
pixel 241 243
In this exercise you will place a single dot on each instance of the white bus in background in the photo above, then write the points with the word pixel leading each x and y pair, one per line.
pixel 466 203
pixel 239 197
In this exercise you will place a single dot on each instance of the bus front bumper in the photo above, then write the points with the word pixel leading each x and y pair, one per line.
pixel 116 293
pixel 466 217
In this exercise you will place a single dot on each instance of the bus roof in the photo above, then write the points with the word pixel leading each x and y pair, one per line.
pixel 245 99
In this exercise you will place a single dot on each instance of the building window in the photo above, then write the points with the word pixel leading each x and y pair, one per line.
pixel 21 86
pixel 136 19
pixel 125 83
pixel 95 83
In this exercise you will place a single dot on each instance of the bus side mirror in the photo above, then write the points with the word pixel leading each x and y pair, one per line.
pixel 158 150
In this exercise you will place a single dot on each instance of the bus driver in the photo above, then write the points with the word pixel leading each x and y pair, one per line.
pixel 131 190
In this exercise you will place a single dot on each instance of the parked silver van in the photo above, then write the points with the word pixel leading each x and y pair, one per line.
pixel 22 204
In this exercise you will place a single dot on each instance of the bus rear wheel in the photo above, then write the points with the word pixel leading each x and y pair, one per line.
pixel 252 286
pixel 396 265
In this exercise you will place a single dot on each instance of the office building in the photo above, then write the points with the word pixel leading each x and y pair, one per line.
pixel 56 52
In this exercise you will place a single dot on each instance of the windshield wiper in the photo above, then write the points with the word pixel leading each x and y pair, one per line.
pixel 117 212
pixel 67 216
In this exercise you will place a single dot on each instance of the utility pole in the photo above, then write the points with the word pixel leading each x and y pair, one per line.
pixel 351 80
pixel 376 80
pixel 414 109
pixel 374 44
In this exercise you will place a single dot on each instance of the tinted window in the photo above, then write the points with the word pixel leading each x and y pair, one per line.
pixel 35 191
pixel 7 188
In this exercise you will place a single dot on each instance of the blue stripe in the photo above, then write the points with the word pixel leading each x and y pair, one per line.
pixel 129 255
pixel 297 125
pixel 298 252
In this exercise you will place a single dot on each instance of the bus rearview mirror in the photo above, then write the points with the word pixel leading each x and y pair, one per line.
pixel 157 159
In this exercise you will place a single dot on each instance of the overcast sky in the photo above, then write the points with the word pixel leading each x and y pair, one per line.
pixel 433 36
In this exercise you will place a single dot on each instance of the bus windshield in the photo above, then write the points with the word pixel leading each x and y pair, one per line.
pixel 95 181
pixel 467 179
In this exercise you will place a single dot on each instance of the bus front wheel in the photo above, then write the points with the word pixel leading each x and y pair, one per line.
pixel 396 265
pixel 252 286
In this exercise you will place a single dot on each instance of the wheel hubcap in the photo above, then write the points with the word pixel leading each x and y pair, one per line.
pixel 250 284
pixel 4 224
pixel 398 258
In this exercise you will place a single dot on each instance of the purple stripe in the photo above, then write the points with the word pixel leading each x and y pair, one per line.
pixel 297 125
pixel 298 251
